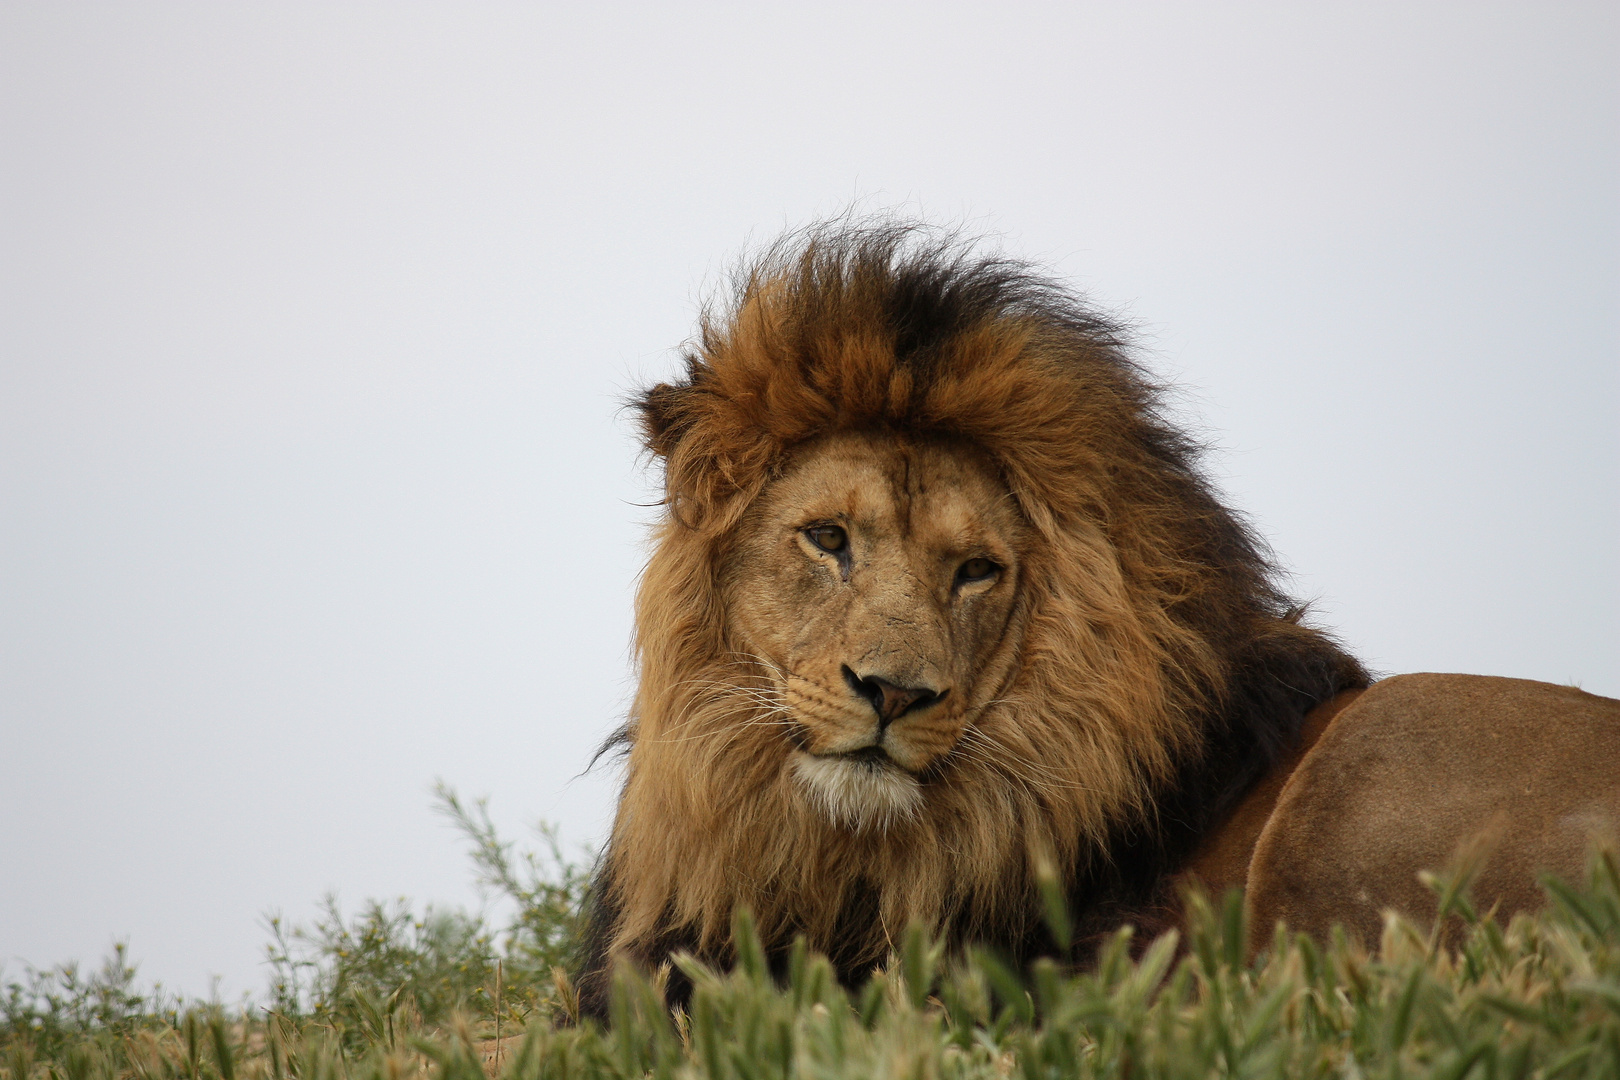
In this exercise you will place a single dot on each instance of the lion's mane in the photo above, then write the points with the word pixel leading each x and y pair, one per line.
pixel 1162 667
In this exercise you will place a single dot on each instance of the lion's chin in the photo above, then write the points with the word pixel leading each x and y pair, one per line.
pixel 859 792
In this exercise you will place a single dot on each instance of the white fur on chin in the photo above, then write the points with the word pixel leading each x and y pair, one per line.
pixel 859 794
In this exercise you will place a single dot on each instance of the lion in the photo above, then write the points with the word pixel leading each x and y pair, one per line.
pixel 939 607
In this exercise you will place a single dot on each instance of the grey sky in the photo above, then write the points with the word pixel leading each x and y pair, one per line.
pixel 316 320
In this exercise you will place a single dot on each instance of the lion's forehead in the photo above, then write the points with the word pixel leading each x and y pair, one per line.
pixel 931 494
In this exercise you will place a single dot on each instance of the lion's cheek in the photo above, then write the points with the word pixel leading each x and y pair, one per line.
pixel 784 614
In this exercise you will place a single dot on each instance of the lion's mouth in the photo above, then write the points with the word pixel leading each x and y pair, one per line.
pixel 872 758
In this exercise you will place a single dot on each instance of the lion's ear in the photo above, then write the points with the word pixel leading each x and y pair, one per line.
pixel 665 416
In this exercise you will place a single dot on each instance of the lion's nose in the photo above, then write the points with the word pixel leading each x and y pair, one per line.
pixel 891 701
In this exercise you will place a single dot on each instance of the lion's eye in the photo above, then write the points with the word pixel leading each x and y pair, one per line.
pixel 976 570
pixel 829 538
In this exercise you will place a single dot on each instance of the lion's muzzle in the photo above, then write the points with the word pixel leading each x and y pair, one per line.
pixel 890 701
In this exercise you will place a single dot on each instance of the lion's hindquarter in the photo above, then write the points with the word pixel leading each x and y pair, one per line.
pixel 1422 770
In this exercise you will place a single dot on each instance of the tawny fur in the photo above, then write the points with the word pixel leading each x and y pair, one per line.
pixel 1151 672
pixel 1506 779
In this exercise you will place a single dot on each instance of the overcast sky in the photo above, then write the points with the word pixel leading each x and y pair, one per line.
pixel 316 321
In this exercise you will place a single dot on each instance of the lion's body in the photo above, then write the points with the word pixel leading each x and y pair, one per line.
pixel 1504 779
pixel 940 605
pixel 1090 704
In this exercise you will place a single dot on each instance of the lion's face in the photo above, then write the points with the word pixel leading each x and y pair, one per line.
pixel 876 581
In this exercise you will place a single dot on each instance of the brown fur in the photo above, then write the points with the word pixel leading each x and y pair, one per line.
pixel 1516 777
pixel 1110 693
pixel 1221 861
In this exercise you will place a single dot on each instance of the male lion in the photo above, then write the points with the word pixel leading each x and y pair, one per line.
pixel 941 603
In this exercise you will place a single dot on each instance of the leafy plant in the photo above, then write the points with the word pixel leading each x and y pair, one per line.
pixel 359 974
pixel 47 1010
pixel 547 891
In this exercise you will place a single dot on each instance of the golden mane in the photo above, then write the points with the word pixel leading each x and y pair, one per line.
pixel 1161 669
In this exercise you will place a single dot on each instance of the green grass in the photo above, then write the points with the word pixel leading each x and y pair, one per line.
pixel 388 966
pixel 389 995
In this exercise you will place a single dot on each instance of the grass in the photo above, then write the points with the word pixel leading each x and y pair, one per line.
pixel 391 995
